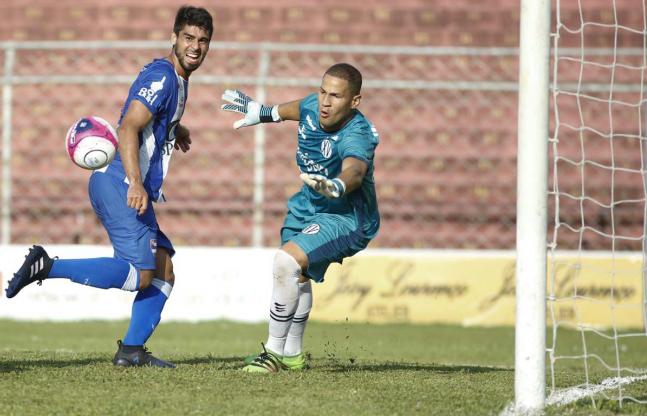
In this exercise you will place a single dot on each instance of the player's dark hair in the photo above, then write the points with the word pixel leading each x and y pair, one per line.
pixel 193 16
pixel 349 73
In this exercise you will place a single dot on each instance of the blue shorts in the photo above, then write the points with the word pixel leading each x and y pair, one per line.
pixel 134 238
pixel 325 238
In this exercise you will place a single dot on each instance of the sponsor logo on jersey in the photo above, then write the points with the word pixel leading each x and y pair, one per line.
pixel 302 131
pixel 309 164
pixel 169 144
pixel 153 244
pixel 150 94
pixel 326 148
pixel 311 229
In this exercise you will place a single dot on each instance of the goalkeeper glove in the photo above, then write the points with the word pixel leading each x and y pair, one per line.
pixel 254 112
pixel 330 188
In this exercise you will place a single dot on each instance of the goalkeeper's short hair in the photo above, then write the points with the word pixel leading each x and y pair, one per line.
pixel 349 73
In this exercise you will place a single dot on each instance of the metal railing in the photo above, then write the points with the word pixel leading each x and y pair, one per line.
pixel 261 80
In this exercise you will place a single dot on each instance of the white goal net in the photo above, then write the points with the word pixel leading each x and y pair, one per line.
pixel 597 345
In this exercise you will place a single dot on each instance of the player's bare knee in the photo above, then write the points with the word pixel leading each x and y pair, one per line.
pixel 145 278
pixel 164 269
pixel 169 277
pixel 285 268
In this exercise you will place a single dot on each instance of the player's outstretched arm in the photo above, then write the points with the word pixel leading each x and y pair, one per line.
pixel 136 118
pixel 350 178
pixel 254 112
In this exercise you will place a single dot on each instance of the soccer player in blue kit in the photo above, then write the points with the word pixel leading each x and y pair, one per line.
pixel 333 216
pixel 121 194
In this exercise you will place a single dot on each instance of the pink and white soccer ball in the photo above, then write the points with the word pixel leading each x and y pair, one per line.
pixel 91 142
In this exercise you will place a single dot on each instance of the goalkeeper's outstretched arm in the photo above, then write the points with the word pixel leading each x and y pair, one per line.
pixel 290 110
pixel 352 173
pixel 254 112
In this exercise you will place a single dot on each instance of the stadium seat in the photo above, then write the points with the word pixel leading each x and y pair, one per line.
pixel 447 158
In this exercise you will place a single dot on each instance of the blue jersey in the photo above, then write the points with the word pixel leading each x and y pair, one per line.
pixel 323 152
pixel 164 93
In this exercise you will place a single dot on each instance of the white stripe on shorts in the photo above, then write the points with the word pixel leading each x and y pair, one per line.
pixel 131 281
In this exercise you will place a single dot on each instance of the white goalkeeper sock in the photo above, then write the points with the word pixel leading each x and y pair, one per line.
pixel 285 297
pixel 294 341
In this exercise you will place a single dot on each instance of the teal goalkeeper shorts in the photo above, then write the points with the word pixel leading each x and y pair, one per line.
pixel 325 238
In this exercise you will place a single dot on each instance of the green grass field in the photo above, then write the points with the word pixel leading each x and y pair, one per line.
pixel 64 368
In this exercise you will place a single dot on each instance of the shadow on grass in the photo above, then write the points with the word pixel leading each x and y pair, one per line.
pixel 7 366
pixel 328 365
pixel 208 359
pixel 394 366
pixel 20 365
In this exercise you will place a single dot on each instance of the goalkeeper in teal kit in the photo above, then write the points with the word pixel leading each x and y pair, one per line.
pixel 333 216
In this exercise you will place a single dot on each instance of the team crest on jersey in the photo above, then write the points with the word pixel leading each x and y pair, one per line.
pixel 153 243
pixel 150 94
pixel 326 148
pixel 311 229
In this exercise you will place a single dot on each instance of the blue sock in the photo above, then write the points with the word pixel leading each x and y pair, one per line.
pixel 102 272
pixel 147 312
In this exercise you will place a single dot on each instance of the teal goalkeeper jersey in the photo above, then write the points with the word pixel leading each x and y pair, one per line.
pixel 322 152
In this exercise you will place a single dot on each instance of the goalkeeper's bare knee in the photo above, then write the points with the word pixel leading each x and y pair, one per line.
pixel 297 254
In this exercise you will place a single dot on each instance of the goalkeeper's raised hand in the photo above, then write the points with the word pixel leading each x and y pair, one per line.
pixel 330 188
pixel 252 111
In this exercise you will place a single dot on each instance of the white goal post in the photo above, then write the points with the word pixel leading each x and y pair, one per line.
pixel 596 258
pixel 532 179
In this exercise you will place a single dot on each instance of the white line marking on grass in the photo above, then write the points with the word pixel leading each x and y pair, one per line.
pixel 570 395
pixel 508 410
pixel 563 397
